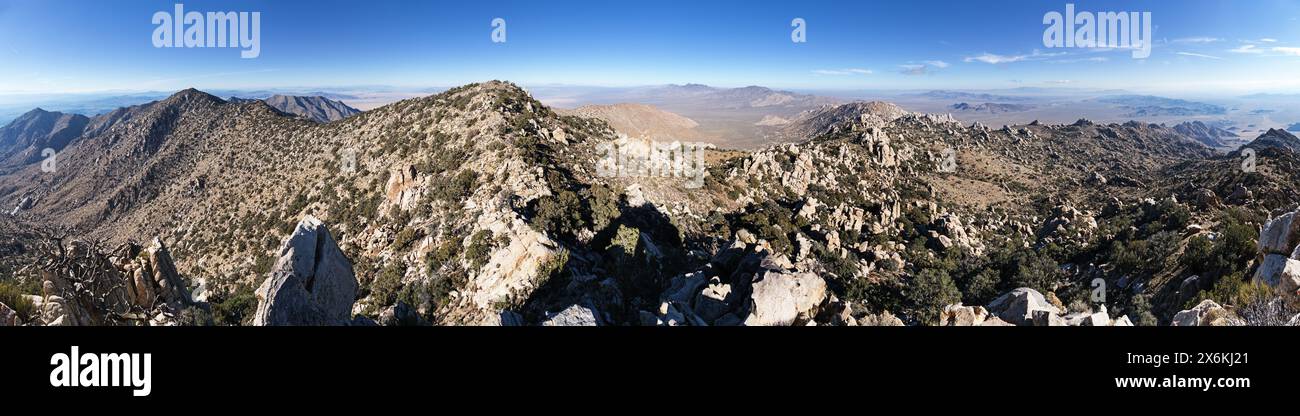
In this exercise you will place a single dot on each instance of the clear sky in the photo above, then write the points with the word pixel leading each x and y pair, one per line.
pixel 51 46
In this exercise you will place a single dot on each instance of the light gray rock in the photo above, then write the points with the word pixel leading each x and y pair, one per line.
pixel 1096 319
pixel 1207 313
pixel 1270 270
pixel 1280 235
pixel 882 319
pixel 574 315
pixel 9 317
pixel 1048 318
pixel 312 282
pixel 1018 306
pixel 714 301
pixel 778 298
pixel 958 315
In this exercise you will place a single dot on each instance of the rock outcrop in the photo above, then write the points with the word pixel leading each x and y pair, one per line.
pixel 1018 306
pixel 312 282
pixel 780 298
pixel 8 316
pixel 743 285
pixel 575 315
pixel 1279 254
pixel 1207 313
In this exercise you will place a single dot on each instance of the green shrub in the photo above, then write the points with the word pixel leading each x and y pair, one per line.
pixel 480 248
pixel 982 287
pixel 12 296
pixel 385 288
pixel 1035 271
pixel 236 308
pixel 404 238
pixel 928 292
pixel 559 215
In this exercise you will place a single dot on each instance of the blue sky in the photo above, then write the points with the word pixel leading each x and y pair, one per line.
pixel 1202 46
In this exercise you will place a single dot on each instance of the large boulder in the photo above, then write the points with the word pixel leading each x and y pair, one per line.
pixel 1207 313
pixel 1280 235
pixel 779 298
pixel 312 282
pixel 9 317
pixel 958 315
pixel 1018 306
pixel 575 315
pixel 1279 254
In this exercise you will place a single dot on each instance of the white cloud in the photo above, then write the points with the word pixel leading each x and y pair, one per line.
pixel 1200 39
pixel 989 58
pixel 1287 51
pixel 849 71
pixel 937 64
pixel 1060 81
pixel 1268 40
pixel 1198 55
pixel 1251 49
pixel 913 69
pixel 1077 60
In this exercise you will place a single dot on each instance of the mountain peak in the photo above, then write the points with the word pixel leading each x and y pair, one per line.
pixel 1276 138
pixel 190 94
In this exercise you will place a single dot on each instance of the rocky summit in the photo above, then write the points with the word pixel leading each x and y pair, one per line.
pixel 481 206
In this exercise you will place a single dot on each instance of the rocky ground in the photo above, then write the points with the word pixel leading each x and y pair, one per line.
pixel 480 206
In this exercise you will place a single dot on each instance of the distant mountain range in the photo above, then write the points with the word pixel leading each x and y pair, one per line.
pixel 729 98
pixel 991 108
pixel 641 121
pixel 1206 134
pixel 1153 106
pixel 968 96
pixel 316 108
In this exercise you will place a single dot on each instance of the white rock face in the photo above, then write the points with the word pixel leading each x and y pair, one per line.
pixel 312 283
pixel 1279 246
pixel 1017 307
pixel 510 272
pixel 779 298
pixel 1280 235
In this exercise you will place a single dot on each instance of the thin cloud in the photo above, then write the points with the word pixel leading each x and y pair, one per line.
pixel 1250 49
pixel 937 64
pixel 995 59
pixel 849 71
pixel 1268 40
pixel 1199 39
pixel 990 58
pixel 1198 55
pixel 913 69
pixel 1078 60
pixel 1289 51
